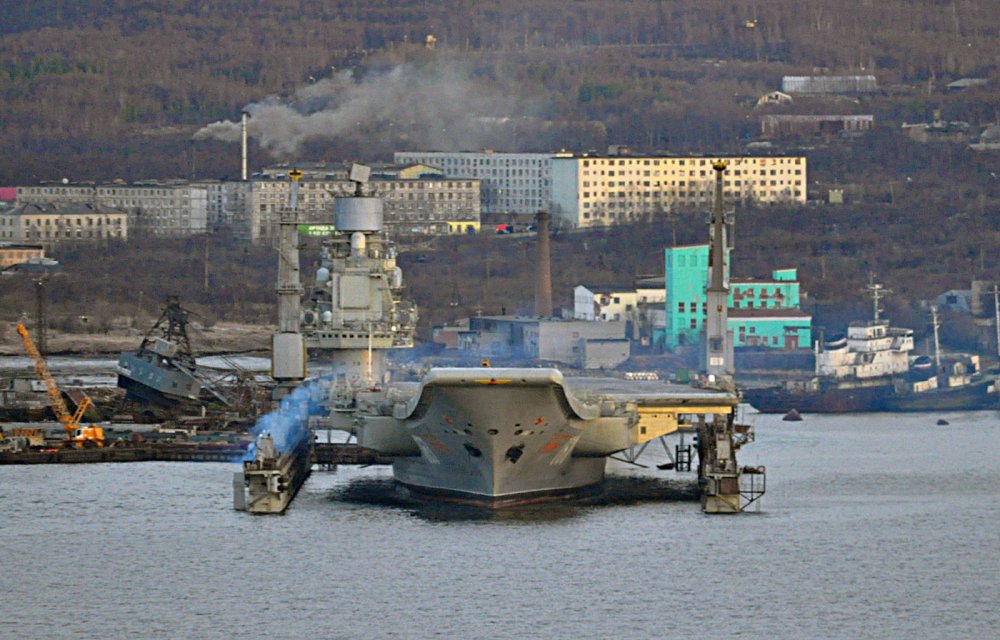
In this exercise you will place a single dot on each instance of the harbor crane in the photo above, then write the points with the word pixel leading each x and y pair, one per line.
pixel 76 435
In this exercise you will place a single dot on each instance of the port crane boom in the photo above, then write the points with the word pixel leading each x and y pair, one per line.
pixel 71 421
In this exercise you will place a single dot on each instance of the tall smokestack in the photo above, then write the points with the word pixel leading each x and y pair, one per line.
pixel 543 279
pixel 243 133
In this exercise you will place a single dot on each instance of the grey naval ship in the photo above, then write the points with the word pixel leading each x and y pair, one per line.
pixel 161 375
pixel 492 436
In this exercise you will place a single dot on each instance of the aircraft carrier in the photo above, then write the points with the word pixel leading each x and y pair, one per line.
pixel 500 437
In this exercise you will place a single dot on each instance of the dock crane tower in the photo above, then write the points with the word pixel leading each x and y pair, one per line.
pixel 76 435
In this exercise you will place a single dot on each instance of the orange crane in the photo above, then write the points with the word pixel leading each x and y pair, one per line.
pixel 75 434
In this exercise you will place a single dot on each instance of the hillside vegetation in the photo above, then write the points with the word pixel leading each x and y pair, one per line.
pixel 103 89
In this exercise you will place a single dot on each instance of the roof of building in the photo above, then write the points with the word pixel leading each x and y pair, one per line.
pixel 759 281
pixel 956 292
pixel 22 247
pixel 651 282
pixel 609 288
pixel 965 83
pixel 829 84
pixel 768 314
pixel 590 155
pixel 689 246
pixel 819 118
pixel 62 209
pixel 990 133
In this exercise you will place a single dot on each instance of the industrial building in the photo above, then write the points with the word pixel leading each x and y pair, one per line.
pixel 829 84
pixel 579 343
pixel 11 254
pixel 762 312
pixel 607 190
pixel 49 224
pixel 511 182
pixel 781 126
pixel 171 209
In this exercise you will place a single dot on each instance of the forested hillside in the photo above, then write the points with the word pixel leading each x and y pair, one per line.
pixel 103 89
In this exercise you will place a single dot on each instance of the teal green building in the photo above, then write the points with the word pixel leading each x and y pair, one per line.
pixel 762 312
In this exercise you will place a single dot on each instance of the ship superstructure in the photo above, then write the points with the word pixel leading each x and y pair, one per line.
pixel 355 312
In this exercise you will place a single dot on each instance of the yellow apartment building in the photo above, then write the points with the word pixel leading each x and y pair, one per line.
pixel 607 190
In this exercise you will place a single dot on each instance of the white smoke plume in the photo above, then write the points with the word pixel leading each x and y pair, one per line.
pixel 445 108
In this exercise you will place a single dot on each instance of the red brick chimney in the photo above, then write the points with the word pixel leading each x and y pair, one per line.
pixel 543 279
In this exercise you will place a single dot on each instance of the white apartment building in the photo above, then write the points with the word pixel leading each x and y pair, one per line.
pixel 50 224
pixel 604 303
pixel 162 209
pixel 511 182
pixel 606 190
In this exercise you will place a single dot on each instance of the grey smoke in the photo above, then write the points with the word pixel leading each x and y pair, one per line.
pixel 445 107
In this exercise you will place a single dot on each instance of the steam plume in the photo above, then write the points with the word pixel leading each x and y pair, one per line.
pixel 445 107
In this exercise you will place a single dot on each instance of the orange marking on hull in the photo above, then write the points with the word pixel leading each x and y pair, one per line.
pixel 437 444
pixel 540 420
pixel 550 447
pixel 561 436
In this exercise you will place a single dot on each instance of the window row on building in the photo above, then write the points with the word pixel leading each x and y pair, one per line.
pixel 589 191
pixel 54 223
pixel 163 209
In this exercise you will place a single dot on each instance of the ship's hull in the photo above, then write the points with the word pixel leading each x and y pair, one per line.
pixel 973 397
pixel 148 382
pixel 830 400
pixel 497 445
pixel 977 396
pixel 499 438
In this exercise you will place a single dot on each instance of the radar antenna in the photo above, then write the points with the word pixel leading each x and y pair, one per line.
pixel 360 175
pixel 877 292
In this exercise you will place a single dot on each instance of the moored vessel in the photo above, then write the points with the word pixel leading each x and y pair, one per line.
pixel 872 369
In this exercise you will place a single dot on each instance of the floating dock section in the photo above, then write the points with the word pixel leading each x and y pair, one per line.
pixel 271 478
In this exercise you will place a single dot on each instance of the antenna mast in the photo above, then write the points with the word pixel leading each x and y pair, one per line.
pixel 937 342
pixel 877 292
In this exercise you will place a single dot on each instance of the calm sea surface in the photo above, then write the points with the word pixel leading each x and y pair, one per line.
pixel 873 526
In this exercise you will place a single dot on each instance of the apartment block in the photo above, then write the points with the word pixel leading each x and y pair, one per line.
pixel 155 208
pixel 412 206
pixel 606 190
pixel 50 224
pixel 510 182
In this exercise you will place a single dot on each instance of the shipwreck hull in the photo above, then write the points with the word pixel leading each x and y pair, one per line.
pixel 147 382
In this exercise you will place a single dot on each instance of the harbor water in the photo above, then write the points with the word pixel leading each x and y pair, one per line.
pixel 873 526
